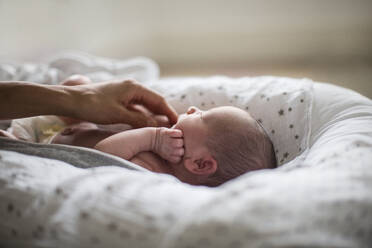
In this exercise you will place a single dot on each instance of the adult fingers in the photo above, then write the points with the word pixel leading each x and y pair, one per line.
pixel 137 119
pixel 162 121
pixel 156 103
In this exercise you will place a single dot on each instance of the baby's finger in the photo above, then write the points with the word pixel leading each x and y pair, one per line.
pixel 177 142
pixel 178 152
pixel 175 133
pixel 175 159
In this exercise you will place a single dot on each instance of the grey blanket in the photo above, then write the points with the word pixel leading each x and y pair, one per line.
pixel 76 156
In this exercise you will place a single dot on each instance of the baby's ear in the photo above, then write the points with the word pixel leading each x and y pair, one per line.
pixel 204 166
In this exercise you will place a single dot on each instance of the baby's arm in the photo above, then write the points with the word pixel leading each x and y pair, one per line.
pixel 168 143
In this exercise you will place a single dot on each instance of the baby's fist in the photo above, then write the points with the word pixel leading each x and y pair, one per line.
pixel 169 144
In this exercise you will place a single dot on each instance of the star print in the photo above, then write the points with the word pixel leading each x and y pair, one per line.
pixel 262 96
pixel 285 155
pixel 289 109
pixel 84 215
pixel 296 136
pixel 200 93
pixel 291 126
pixel 302 100
pixel 281 112
pixel 183 96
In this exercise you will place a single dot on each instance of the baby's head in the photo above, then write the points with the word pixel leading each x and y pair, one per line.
pixel 221 144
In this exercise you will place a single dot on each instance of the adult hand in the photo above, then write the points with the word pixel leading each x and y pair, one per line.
pixel 112 102
pixel 104 103
pixel 160 120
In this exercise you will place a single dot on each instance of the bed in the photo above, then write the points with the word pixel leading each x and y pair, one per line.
pixel 319 196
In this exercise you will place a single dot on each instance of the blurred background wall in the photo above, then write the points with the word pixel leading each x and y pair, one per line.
pixel 326 40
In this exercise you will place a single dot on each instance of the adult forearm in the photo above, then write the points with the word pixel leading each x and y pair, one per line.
pixel 24 99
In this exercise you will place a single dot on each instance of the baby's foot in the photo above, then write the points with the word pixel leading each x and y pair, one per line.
pixel 76 80
pixel 6 134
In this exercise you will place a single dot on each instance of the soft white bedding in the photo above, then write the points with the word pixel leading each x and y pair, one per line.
pixel 321 196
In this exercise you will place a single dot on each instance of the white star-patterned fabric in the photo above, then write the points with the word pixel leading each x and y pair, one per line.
pixel 320 196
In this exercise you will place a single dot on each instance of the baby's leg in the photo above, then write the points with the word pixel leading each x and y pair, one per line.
pixel 83 134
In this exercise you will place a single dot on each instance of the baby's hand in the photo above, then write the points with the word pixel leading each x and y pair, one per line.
pixel 168 144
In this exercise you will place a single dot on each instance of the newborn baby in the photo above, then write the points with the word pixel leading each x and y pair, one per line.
pixel 202 148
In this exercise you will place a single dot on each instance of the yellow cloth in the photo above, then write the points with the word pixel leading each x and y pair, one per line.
pixel 39 129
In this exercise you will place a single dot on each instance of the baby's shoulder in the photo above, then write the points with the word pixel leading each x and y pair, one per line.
pixel 148 160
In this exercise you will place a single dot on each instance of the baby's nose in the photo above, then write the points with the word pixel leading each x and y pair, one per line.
pixel 192 110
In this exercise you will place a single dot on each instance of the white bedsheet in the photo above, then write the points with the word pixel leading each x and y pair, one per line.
pixel 321 196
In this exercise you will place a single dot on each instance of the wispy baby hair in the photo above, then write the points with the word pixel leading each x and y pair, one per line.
pixel 239 144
